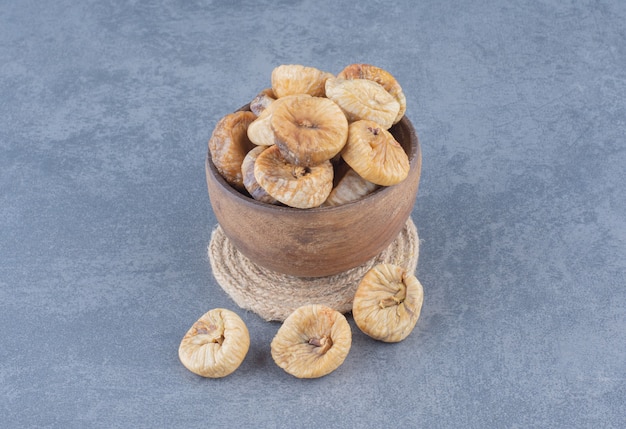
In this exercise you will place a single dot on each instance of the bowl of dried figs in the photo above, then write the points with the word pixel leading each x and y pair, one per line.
pixel 317 174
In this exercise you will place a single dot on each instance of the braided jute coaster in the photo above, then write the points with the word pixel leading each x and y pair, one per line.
pixel 274 296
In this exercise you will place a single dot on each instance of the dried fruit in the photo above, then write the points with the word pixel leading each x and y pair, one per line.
pixel 312 342
pixel 262 100
pixel 378 75
pixel 387 303
pixel 290 79
pixel 308 114
pixel 229 144
pixel 350 187
pixel 260 130
pixel 215 345
pixel 249 181
pixel 363 99
pixel 293 185
pixel 309 130
pixel 375 154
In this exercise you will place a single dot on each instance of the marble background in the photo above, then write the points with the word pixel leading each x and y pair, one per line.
pixel 105 111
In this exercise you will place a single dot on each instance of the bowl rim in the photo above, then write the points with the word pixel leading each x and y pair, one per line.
pixel 414 158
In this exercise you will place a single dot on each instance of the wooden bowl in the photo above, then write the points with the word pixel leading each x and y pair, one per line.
pixel 321 241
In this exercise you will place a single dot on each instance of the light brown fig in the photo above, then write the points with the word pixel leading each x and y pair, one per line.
pixel 351 187
pixel 378 75
pixel 262 100
pixel 260 130
pixel 249 181
pixel 375 154
pixel 215 345
pixel 290 79
pixel 387 303
pixel 293 185
pixel 363 99
pixel 229 144
pixel 309 130
pixel 313 341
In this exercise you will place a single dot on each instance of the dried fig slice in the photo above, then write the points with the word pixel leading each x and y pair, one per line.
pixel 262 100
pixel 313 341
pixel 229 144
pixel 363 99
pixel 378 75
pixel 290 79
pixel 215 345
pixel 293 185
pixel 351 187
pixel 260 130
pixel 309 130
pixel 375 154
pixel 249 181
pixel 387 303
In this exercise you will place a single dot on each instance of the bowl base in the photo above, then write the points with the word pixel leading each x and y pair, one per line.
pixel 274 296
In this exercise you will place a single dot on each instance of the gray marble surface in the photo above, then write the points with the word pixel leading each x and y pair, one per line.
pixel 105 111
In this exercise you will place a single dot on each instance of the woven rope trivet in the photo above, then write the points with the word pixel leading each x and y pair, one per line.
pixel 274 296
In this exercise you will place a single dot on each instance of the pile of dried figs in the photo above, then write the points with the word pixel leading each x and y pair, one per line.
pixel 314 139
pixel 314 340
